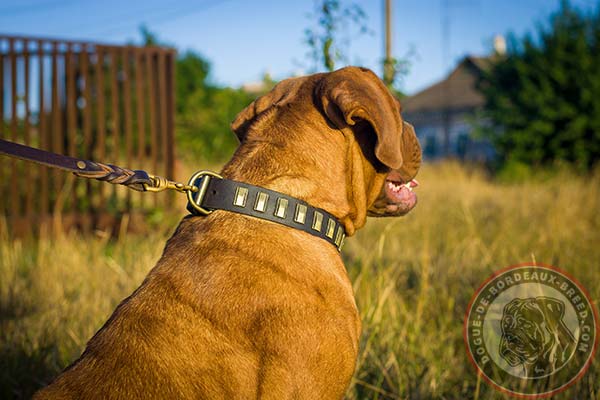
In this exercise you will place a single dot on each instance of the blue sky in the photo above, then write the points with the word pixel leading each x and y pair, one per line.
pixel 245 39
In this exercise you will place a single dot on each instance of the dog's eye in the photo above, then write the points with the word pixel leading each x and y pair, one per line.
pixel 513 339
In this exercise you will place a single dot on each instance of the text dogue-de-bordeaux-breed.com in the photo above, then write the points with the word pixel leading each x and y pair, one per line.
pixel 240 307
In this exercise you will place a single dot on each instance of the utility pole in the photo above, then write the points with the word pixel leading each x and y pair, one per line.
pixel 388 63
pixel 446 113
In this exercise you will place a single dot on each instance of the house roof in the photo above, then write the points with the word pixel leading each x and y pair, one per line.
pixel 457 91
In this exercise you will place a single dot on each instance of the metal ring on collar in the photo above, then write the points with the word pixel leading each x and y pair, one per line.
pixel 196 201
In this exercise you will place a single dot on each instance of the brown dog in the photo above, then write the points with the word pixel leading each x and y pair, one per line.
pixel 238 307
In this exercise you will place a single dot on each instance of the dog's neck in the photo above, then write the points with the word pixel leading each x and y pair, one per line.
pixel 314 176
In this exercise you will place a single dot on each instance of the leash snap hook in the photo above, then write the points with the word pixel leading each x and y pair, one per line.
pixel 160 184
pixel 199 181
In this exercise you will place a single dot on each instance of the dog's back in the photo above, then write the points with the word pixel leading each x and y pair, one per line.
pixel 223 313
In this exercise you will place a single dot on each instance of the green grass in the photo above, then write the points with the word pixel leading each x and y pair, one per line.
pixel 413 278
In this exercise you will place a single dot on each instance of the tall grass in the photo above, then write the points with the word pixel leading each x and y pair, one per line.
pixel 413 278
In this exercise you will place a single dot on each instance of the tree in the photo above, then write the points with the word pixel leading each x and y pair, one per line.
pixel 543 97
pixel 203 110
pixel 330 36
pixel 191 71
pixel 149 38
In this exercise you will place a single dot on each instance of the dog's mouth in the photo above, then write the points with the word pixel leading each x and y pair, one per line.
pixel 400 195
pixel 396 198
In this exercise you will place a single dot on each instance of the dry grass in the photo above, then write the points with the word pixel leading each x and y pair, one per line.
pixel 413 278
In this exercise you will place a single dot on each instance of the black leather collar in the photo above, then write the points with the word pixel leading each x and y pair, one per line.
pixel 217 193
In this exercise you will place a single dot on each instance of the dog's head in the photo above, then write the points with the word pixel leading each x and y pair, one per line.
pixel 533 333
pixel 356 99
pixel 381 152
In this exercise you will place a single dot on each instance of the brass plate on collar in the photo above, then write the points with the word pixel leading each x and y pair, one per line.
pixel 300 215
pixel 339 236
pixel 261 201
pixel 281 207
pixel 241 194
pixel 317 221
pixel 330 228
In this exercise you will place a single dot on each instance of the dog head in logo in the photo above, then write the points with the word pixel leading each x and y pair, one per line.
pixel 535 336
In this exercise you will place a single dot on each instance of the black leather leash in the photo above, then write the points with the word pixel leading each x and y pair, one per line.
pixel 206 192
pixel 134 179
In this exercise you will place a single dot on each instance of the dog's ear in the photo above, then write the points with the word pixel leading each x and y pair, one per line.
pixel 351 95
pixel 282 93
pixel 553 309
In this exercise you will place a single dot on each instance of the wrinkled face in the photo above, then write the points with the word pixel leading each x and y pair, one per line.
pixel 522 340
pixel 524 333
pixel 357 103
pixel 397 196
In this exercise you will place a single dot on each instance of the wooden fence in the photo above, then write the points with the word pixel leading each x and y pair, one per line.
pixel 113 104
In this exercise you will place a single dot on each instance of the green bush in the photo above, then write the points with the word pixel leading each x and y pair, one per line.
pixel 542 97
pixel 204 112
